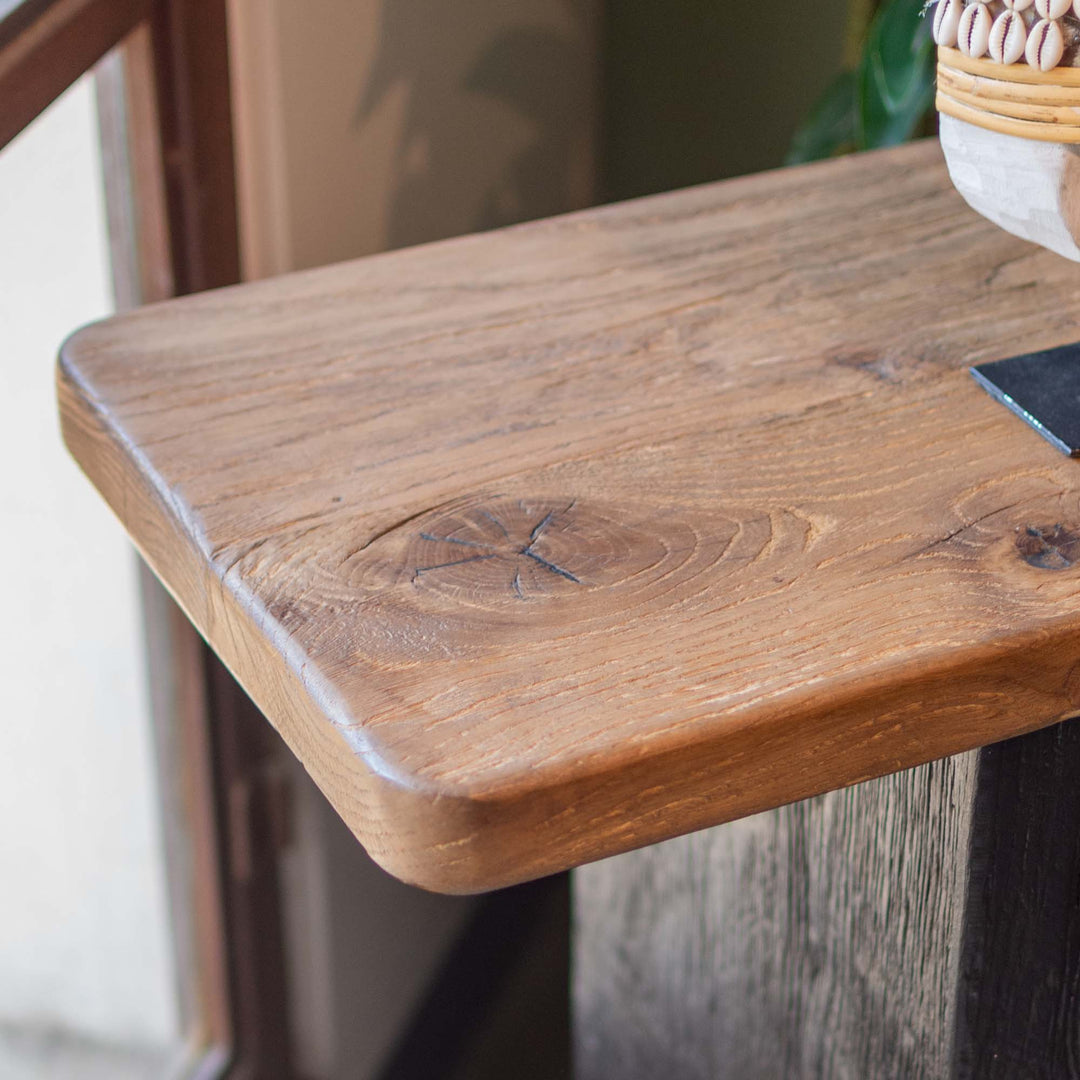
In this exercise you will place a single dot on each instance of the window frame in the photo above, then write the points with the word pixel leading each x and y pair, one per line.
pixel 162 73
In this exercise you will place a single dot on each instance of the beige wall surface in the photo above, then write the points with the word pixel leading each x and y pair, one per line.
pixel 363 125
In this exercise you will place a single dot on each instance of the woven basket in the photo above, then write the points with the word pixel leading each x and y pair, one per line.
pixel 1012 99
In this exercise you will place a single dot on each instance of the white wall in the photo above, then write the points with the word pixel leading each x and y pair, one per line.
pixel 84 942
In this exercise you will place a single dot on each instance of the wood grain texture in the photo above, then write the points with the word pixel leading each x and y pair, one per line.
pixel 820 940
pixel 554 542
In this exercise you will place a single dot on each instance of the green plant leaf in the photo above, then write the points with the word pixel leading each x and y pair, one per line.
pixel 831 126
pixel 896 75
pixel 885 99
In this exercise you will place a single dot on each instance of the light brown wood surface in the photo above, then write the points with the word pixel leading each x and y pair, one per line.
pixel 550 543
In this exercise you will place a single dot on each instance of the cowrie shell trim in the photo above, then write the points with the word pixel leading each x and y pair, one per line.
pixel 1052 9
pixel 1045 45
pixel 1008 38
pixel 947 21
pixel 973 35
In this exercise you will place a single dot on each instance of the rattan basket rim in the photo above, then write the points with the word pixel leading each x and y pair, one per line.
pixel 1059 115
pixel 1007 125
pixel 950 80
pixel 1007 73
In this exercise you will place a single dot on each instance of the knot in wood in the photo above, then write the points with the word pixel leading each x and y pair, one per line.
pixel 524 550
pixel 490 569
pixel 1049 547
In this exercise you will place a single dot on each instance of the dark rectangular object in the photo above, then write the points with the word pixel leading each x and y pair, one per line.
pixel 1043 389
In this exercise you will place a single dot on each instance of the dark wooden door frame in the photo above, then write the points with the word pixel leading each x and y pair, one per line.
pixel 181 154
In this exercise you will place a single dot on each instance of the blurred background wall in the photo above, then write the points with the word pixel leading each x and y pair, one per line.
pixel 698 90
pixel 369 124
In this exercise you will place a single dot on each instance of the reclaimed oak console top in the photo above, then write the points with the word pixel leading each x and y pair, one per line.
pixel 544 544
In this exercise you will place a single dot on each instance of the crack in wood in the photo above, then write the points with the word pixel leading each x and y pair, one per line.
pixel 511 551
pixel 969 525
pixel 446 565
pixel 538 529
pixel 551 566
pixel 452 540
pixel 495 521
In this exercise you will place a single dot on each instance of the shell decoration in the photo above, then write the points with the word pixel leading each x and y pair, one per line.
pixel 1044 34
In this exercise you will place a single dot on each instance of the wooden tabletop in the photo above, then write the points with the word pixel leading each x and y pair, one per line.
pixel 544 544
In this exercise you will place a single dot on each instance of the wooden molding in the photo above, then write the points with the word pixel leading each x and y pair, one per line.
pixel 261 160
pixel 48 52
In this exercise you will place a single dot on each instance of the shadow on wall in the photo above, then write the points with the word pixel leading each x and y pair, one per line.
pixel 542 74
